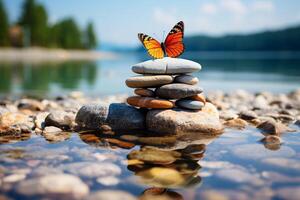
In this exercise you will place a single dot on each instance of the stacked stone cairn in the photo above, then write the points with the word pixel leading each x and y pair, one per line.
pixel 166 83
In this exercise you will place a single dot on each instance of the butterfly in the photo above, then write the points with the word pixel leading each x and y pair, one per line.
pixel 172 46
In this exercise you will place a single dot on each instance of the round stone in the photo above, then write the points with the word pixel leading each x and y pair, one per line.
pixel 166 65
pixel 149 102
pixel 177 121
pixel 177 91
pixel 187 79
pixel 117 116
pixel 189 104
pixel 144 92
pixel 148 81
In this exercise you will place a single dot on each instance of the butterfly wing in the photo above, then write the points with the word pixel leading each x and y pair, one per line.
pixel 174 46
pixel 152 45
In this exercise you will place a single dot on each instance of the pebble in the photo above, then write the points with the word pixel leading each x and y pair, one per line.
pixel 144 92
pixel 60 119
pixel 272 127
pixel 228 114
pixel 166 66
pixel 148 81
pixel 30 104
pixel 174 121
pixel 189 104
pixel 54 184
pixel 236 123
pixel 58 136
pixel 51 130
pixel 111 195
pixel 248 115
pixel 177 91
pixel 149 102
pixel 39 120
pixel 187 79
pixel 118 116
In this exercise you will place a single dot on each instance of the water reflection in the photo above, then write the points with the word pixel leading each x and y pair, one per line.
pixel 165 164
pixel 43 77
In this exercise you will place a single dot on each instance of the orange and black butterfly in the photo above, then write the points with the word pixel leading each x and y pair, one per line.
pixel 172 47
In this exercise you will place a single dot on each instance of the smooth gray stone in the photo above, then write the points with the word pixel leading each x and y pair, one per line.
pixel 187 79
pixel 118 116
pixel 177 91
pixel 166 66
pixel 189 104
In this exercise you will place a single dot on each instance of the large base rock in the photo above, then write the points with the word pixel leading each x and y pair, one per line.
pixel 180 121
pixel 117 116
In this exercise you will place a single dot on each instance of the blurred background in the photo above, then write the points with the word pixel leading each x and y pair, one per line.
pixel 50 47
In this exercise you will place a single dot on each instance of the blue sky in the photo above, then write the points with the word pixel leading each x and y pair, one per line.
pixel 119 21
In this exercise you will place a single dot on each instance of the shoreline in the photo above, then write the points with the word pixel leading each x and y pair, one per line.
pixel 38 54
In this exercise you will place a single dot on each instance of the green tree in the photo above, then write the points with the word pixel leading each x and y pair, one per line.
pixel 35 19
pixel 66 34
pixel 4 26
pixel 90 38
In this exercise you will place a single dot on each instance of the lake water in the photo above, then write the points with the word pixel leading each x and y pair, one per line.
pixel 234 165
pixel 227 71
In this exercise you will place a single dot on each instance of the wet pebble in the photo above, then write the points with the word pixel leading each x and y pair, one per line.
pixel 248 115
pixel 60 119
pixel 51 130
pixel 30 104
pixel 39 120
pixel 236 123
pixel 272 127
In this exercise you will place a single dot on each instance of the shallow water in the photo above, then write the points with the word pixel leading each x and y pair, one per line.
pixel 227 71
pixel 234 164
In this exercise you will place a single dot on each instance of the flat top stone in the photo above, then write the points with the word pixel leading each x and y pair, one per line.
pixel 166 66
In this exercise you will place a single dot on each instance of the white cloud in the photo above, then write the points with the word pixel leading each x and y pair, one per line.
pixel 164 17
pixel 234 6
pixel 209 8
pixel 263 6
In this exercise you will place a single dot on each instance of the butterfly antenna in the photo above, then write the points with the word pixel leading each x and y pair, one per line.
pixel 164 33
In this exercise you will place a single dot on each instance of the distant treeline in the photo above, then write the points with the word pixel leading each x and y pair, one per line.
pixel 34 29
pixel 281 40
